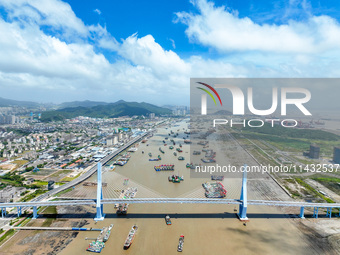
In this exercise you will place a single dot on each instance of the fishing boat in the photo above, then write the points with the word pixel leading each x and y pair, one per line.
pixel 96 246
pixel 180 243
pixel 167 220
pixel 175 178
pixel 130 237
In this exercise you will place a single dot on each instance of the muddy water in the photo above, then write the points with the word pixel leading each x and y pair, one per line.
pixel 208 229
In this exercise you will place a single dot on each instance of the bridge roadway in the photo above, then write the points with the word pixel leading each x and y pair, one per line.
pixel 168 200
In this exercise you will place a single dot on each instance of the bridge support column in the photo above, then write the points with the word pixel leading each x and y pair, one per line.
pixel 35 212
pixel 3 212
pixel 19 211
pixel 302 212
pixel 316 212
pixel 242 214
pixel 329 212
pixel 99 206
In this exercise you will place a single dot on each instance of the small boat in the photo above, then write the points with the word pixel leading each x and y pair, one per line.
pixel 130 237
pixel 108 233
pixel 167 220
pixel 180 243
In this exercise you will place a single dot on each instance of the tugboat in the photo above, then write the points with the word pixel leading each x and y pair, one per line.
pixel 180 243
pixel 130 237
pixel 167 220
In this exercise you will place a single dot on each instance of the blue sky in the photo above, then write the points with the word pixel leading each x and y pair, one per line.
pixel 55 51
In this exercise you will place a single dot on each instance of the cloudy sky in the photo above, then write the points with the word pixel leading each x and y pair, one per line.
pixel 56 51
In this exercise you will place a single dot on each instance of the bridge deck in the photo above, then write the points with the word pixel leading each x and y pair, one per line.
pixel 169 200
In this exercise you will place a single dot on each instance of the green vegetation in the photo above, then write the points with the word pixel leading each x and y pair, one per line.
pixel 8 234
pixel 63 192
pixel 293 138
pixel 58 173
pixel 120 108
pixel 33 195
pixel 12 179
pixel 68 179
pixel 329 182
pixel 49 210
pixel 312 190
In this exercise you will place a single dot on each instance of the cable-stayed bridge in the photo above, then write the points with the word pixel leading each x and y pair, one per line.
pixel 99 201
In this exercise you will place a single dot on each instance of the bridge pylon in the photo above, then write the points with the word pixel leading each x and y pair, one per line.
pixel 242 213
pixel 100 214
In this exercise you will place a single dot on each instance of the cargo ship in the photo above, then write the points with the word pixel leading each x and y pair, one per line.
pixel 130 237
pixel 180 243
pixel 108 233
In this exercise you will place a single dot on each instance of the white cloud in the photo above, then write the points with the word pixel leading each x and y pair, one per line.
pixel 97 11
pixel 146 52
pixel 53 13
pixel 173 43
pixel 70 65
pixel 218 28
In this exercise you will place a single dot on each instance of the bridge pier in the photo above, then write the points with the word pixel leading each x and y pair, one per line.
pixel 242 214
pixel 35 212
pixel 329 212
pixel 99 214
pixel 19 211
pixel 3 212
pixel 302 212
pixel 316 212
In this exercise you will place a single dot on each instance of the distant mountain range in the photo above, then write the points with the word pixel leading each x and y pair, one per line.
pixel 86 103
pixel 104 110
pixel 9 102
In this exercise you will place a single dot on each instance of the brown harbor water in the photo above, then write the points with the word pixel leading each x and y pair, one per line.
pixel 208 229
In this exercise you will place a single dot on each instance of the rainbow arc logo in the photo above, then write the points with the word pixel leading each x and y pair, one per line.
pixel 209 93
pixel 204 97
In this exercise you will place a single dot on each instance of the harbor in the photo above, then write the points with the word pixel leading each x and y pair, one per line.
pixel 209 224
